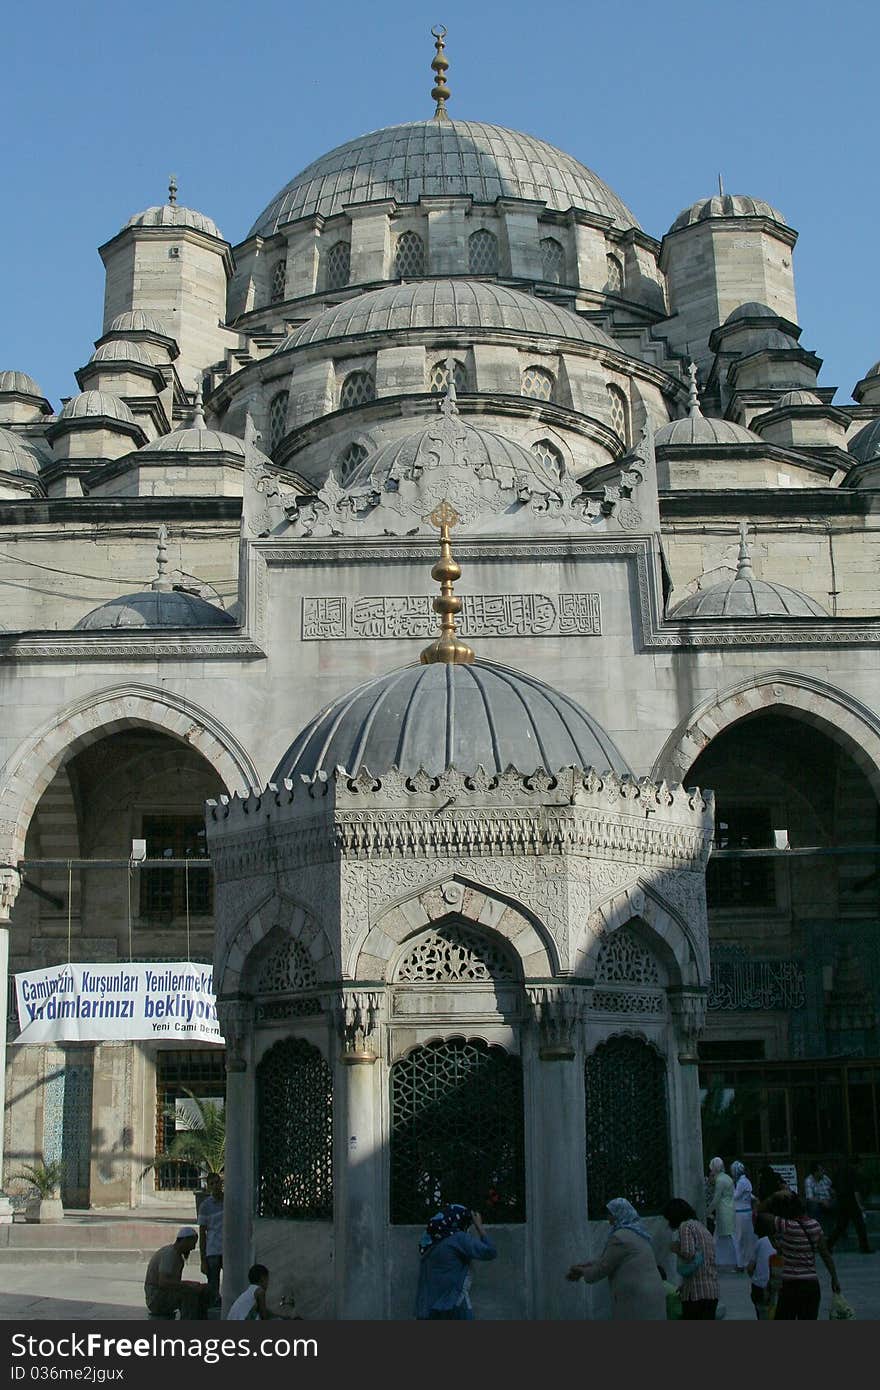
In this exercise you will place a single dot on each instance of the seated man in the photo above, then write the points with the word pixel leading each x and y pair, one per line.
pixel 165 1292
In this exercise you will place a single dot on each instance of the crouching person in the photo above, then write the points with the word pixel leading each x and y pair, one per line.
pixel 166 1292
pixel 251 1306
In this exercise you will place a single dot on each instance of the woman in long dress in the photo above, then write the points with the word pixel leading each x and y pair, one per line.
pixel 744 1234
pixel 630 1266
pixel 721 1208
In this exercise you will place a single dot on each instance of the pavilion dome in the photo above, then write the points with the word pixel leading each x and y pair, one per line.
pixel 19 383
pixel 173 215
pixel 726 205
pixel 866 444
pixel 744 596
pixel 450 158
pixel 446 304
pixel 448 715
pixel 97 403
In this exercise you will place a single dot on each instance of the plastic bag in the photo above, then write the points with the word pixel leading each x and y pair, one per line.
pixel 840 1308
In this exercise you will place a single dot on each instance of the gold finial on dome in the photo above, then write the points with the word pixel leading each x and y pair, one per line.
pixel 448 646
pixel 440 92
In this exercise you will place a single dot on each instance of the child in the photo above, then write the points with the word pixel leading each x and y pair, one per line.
pixel 759 1269
pixel 251 1305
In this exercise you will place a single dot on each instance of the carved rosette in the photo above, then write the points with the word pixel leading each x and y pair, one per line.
pixel 557 1012
pixel 357 1019
pixel 689 1016
pixel 236 1018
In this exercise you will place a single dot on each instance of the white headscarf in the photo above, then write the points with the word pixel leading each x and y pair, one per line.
pixel 716 1166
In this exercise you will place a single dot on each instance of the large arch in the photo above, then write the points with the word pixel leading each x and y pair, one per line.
pixel 35 762
pixel 841 716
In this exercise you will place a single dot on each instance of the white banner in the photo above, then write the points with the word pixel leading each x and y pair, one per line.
pixel 100 1003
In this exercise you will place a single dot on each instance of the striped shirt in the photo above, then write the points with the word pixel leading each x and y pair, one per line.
pixel 798 1242
pixel 703 1283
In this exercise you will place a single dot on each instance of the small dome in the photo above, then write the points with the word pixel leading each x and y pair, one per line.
pixel 728 205
pixel 489 455
pixel 744 596
pixel 866 444
pixel 120 350
pixel 175 216
pixel 19 455
pixel 705 430
pixel 432 304
pixel 753 309
pixel 452 158
pixel 798 397
pixel 156 608
pixel 92 403
pixel 20 383
pixel 191 439
pixel 138 321
pixel 439 716
pixel 873 371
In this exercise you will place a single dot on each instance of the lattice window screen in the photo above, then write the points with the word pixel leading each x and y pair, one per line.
pixel 618 411
pixel 622 959
pixel 409 259
pixel 279 282
pixel 550 456
pixel 357 389
pixel 613 275
pixel 294 1133
pixel 277 419
pixel 337 266
pixel 440 376
pixel 455 954
pixel 627 1136
pixel 538 383
pixel 349 461
pixel 483 253
pixel 552 260
pixel 287 967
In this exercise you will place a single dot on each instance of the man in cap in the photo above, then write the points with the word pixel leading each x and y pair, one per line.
pixel 166 1292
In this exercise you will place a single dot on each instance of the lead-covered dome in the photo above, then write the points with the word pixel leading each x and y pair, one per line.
pixel 439 716
pixel 156 608
pixel 20 384
pixel 98 404
pixel 433 304
pixel 171 215
pixel 705 430
pixel 726 205
pixel 447 157
pixel 866 444
pixel 744 596
pixel 21 457
pixel 138 321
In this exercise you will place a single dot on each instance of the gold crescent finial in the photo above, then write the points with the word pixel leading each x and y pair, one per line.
pixel 440 91
pixel 448 647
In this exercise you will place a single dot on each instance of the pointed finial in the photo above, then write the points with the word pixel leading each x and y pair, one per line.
pixel 440 91
pixel 162 583
pixel 172 189
pixel 448 647
pixel 744 559
pixel 198 419
pixel 693 393
pixel 449 399
pixel 720 186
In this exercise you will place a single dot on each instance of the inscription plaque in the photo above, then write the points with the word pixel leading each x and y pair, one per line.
pixel 338 617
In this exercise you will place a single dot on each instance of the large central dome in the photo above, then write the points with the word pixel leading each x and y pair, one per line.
pixel 442 157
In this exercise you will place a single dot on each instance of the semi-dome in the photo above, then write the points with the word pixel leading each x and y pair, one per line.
pixel 866 444
pixel 726 205
pixel 446 715
pixel 121 350
pixel 172 215
pixel 447 304
pixel 97 403
pixel 744 596
pixel 426 158
pixel 138 321
pixel 20 384
pixel 21 456
pixel 156 608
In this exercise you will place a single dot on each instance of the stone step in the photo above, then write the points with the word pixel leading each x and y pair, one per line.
pixel 80 1255
pixel 99 1234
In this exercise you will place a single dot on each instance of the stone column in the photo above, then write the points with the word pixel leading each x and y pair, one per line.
pixel 558 1185
pixel 361 1272
pixel 237 1025
pixel 10 883
pixel 689 1016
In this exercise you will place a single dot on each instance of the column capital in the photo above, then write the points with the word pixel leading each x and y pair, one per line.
pixel 357 1022
pixel 689 1015
pixel 10 883
pixel 236 1015
pixel 557 1011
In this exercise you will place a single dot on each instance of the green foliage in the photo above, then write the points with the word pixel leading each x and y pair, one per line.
pixel 44 1177
pixel 204 1146
pixel 723 1116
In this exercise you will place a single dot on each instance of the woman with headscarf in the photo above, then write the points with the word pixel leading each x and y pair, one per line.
pixel 744 1233
pixel 630 1266
pixel 721 1209
pixel 445 1253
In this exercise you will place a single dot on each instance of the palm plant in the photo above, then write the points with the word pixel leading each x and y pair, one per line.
pixel 205 1145
pixel 43 1177
pixel 724 1113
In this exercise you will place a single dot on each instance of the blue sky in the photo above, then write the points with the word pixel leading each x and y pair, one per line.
pixel 100 101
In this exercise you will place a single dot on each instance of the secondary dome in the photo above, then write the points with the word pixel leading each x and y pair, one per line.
pixel 19 383
pixel 703 429
pixel 728 205
pixel 156 608
pixel 866 444
pixel 20 456
pixel 138 321
pixel 447 157
pixel 96 403
pixel 120 350
pixel 431 304
pixel 440 716
pixel 169 215
pixel 798 397
pixel 744 596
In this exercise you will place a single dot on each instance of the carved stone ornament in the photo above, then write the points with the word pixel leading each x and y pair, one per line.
pixel 10 882
pixel 689 1014
pixel 357 1018
pixel 236 1018
pixel 262 507
pixel 557 1012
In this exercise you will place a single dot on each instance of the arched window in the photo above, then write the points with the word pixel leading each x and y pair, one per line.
pixel 277 419
pixel 619 412
pixel 349 461
pixel 294 1133
pixel 550 456
pixel 457 1131
pixel 483 253
pixel 409 256
pixel 627 1126
pixel 552 260
pixel 452 954
pixel 357 388
pixel 613 275
pixel 439 377
pixel 279 282
pixel 337 266
pixel 538 383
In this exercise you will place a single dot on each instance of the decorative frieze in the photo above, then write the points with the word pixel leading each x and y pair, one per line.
pixel 337 616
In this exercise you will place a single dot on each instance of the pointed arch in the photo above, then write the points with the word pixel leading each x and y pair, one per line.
pixel 276 912
pixel 664 929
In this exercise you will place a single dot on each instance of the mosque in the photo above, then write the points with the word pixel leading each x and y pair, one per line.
pixel 500 577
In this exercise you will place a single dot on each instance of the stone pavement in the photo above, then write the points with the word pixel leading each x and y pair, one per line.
pixel 31 1291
